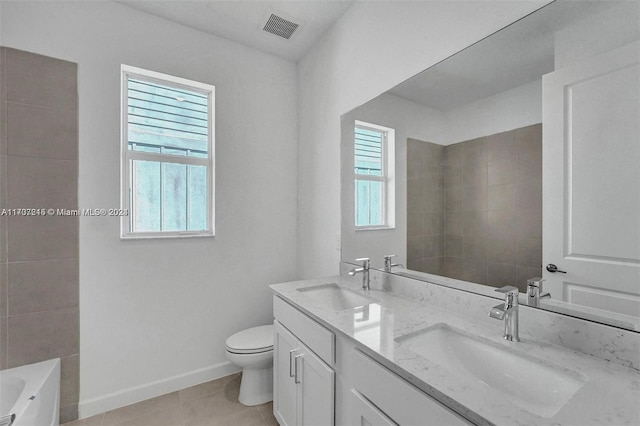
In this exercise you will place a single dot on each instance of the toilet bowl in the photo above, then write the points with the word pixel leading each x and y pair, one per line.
pixel 252 349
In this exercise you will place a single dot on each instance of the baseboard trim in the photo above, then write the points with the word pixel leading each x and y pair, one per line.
pixel 91 407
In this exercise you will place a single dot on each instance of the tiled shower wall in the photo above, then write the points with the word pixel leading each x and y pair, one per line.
pixel 492 209
pixel 39 254
pixel 425 206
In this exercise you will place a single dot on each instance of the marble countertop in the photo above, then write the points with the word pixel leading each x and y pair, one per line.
pixel 610 394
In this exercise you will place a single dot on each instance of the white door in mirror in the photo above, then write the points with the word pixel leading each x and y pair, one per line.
pixel 591 181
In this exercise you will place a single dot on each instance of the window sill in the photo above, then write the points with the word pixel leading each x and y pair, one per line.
pixel 165 235
pixel 375 228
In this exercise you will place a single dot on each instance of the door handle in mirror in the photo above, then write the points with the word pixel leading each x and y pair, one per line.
pixel 553 268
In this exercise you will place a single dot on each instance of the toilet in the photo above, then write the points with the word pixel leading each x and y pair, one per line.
pixel 252 349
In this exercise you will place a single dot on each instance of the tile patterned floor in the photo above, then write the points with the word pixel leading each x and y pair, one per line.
pixel 213 403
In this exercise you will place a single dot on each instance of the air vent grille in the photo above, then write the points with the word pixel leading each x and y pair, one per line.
pixel 280 26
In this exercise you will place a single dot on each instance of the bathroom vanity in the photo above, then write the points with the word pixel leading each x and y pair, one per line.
pixel 409 352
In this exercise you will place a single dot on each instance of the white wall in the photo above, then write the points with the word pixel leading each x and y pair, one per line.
pixel 356 61
pixel 409 120
pixel 615 25
pixel 154 314
pixel 508 110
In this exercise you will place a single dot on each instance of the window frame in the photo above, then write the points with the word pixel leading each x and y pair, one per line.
pixel 127 155
pixel 387 177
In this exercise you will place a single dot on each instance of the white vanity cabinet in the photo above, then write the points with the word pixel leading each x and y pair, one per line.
pixel 364 412
pixel 384 398
pixel 304 383
pixel 321 379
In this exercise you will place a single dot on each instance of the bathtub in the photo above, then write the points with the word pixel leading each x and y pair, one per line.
pixel 30 395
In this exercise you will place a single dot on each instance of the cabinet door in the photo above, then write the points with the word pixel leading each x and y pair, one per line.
pixel 285 348
pixel 315 390
pixel 363 413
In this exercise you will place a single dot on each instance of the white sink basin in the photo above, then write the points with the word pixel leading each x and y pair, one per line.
pixel 534 385
pixel 336 297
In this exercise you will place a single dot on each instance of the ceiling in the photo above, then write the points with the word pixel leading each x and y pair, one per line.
pixel 517 55
pixel 242 20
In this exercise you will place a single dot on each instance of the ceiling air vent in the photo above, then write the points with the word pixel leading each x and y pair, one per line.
pixel 280 26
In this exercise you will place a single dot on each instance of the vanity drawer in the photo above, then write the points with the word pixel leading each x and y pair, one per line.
pixel 313 335
pixel 402 402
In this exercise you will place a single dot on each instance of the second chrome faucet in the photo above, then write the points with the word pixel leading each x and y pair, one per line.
pixel 364 270
pixel 508 312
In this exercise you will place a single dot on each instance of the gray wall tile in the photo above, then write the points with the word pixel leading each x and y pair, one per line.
pixel 453 246
pixel 434 201
pixel 40 80
pixel 502 224
pixel 528 140
pixel 492 206
pixel 69 380
pixel 431 179
pixel 433 223
pixel 530 252
pixel 502 250
pixel 454 267
pixel 3 343
pixel 68 413
pixel 415 223
pixel 475 224
pixel 475 272
pixel 502 197
pixel 42 183
pixel 42 132
pixel 416 202
pixel 42 335
pixel 529 224
pixel 475 199
pixel 3 128
pixel 453 199
pixel 40 120
pixel 474 175
pixel 474 249
pixel 453 155
pixel 452 176
pixel 474 152
pixel 42 238
pixel 433 265
pixel 454 223
pixel 415 247
pixel 500 274
pixel 432 246
pixel 501 147
pixel 4 238
pixel 528 169
pixel 43 285
pixel 3 89
pixel 4 290
pixel 501 172
pixel 529 195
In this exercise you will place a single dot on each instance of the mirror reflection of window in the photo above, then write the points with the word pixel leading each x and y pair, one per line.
pixel 374 170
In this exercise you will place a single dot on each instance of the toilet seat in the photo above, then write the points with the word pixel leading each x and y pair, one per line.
pixel 251 341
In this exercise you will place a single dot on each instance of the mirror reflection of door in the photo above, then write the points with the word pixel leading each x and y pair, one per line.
pixel 591 216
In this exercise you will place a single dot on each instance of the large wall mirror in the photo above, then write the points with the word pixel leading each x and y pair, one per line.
pixel 516 158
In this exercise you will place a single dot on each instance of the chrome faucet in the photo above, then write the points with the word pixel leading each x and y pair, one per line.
pixel 387 263
pixel 508 311
pixel 534 291
pixel 365 272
